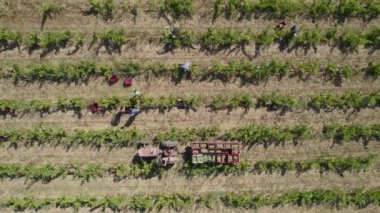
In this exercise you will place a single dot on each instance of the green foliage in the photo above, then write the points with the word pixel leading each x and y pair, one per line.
pixel 279 8
pixel 169 102
pixel 321 8
pixel 337 165
pixel 109 102
pixel 48 172
pixel 273 101
pixel 308 68
pixel 32 41
pixel 276 101
pixel 49 8
pixel 350 40
pixel 89 171
pixel 334 198
pixel 45 173
pixel 177 8
pixel 141 203
pixel 373 38
pixel 218 9
pixel 215 39
pixel 112 39
pixel 11 104
pixel 129 68
pixel 331 33
pixel 9 39
pixel 351 99
pixel 348 8
pixel 373 69
pixel 265 38
pixel 244 7
pixel 243 100
pixel 353 132
pixel 254 134
pixel 335 72
pixel 103 8
pixel 189 169
pixel 184 38
pixel 45 136
pixel 131 7
pixel 207 200
pixel 219 102
pixel 249 71
pixel 372 9
pixel 3 11
pixel 310 38
pixel 55 40
pixel 188 134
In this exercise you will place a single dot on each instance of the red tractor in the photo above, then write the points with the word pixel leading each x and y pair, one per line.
pixel 165 155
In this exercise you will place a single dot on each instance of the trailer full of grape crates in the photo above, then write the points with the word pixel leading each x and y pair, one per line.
pixel 219 152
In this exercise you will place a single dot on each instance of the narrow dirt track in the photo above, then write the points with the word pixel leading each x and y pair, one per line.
pixel 306 150
pixel 97 88
pixel 274 183
pixel 23 15
pixel 154 120
pixel 142 50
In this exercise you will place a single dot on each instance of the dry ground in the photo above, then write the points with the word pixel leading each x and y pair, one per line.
pixel 23 16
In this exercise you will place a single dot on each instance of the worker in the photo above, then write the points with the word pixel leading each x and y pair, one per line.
pixel 136 93
pixel 175 31
pixel 184 68
pixel 134 111
pixel 281 25
pixel 295 30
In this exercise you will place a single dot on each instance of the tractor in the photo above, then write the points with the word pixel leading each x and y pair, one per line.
pixel 165 155
pixel 169 153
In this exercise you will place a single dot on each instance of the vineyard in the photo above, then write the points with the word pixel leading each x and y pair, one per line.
pixel 103 105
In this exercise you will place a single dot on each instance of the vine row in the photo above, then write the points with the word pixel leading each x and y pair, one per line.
pixel 48 172
pixel 214 39
pixel 271 9
pixel 82 71
pixel 251 134
pixel 272 102
pixel 332 198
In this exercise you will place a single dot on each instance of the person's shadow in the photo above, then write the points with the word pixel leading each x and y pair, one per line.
pixel 116 119
pixel 130 121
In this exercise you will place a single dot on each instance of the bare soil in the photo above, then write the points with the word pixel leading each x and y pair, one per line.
pixel 306 150
pixel 23 15
pixel 155 120
pixel 274 183
pixel 148 18
pixel 97 88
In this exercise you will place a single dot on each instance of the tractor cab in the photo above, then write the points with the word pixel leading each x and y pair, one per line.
pixel 147 152
pixel 169 154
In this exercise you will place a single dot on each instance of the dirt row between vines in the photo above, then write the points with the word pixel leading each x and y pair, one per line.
pixel 265 183
pixel 141 49
pixel 155 120
pixel 24 15
pixel 96 88
pixel 305 150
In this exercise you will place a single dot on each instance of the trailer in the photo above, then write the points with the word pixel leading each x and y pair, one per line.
pixel 219 152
